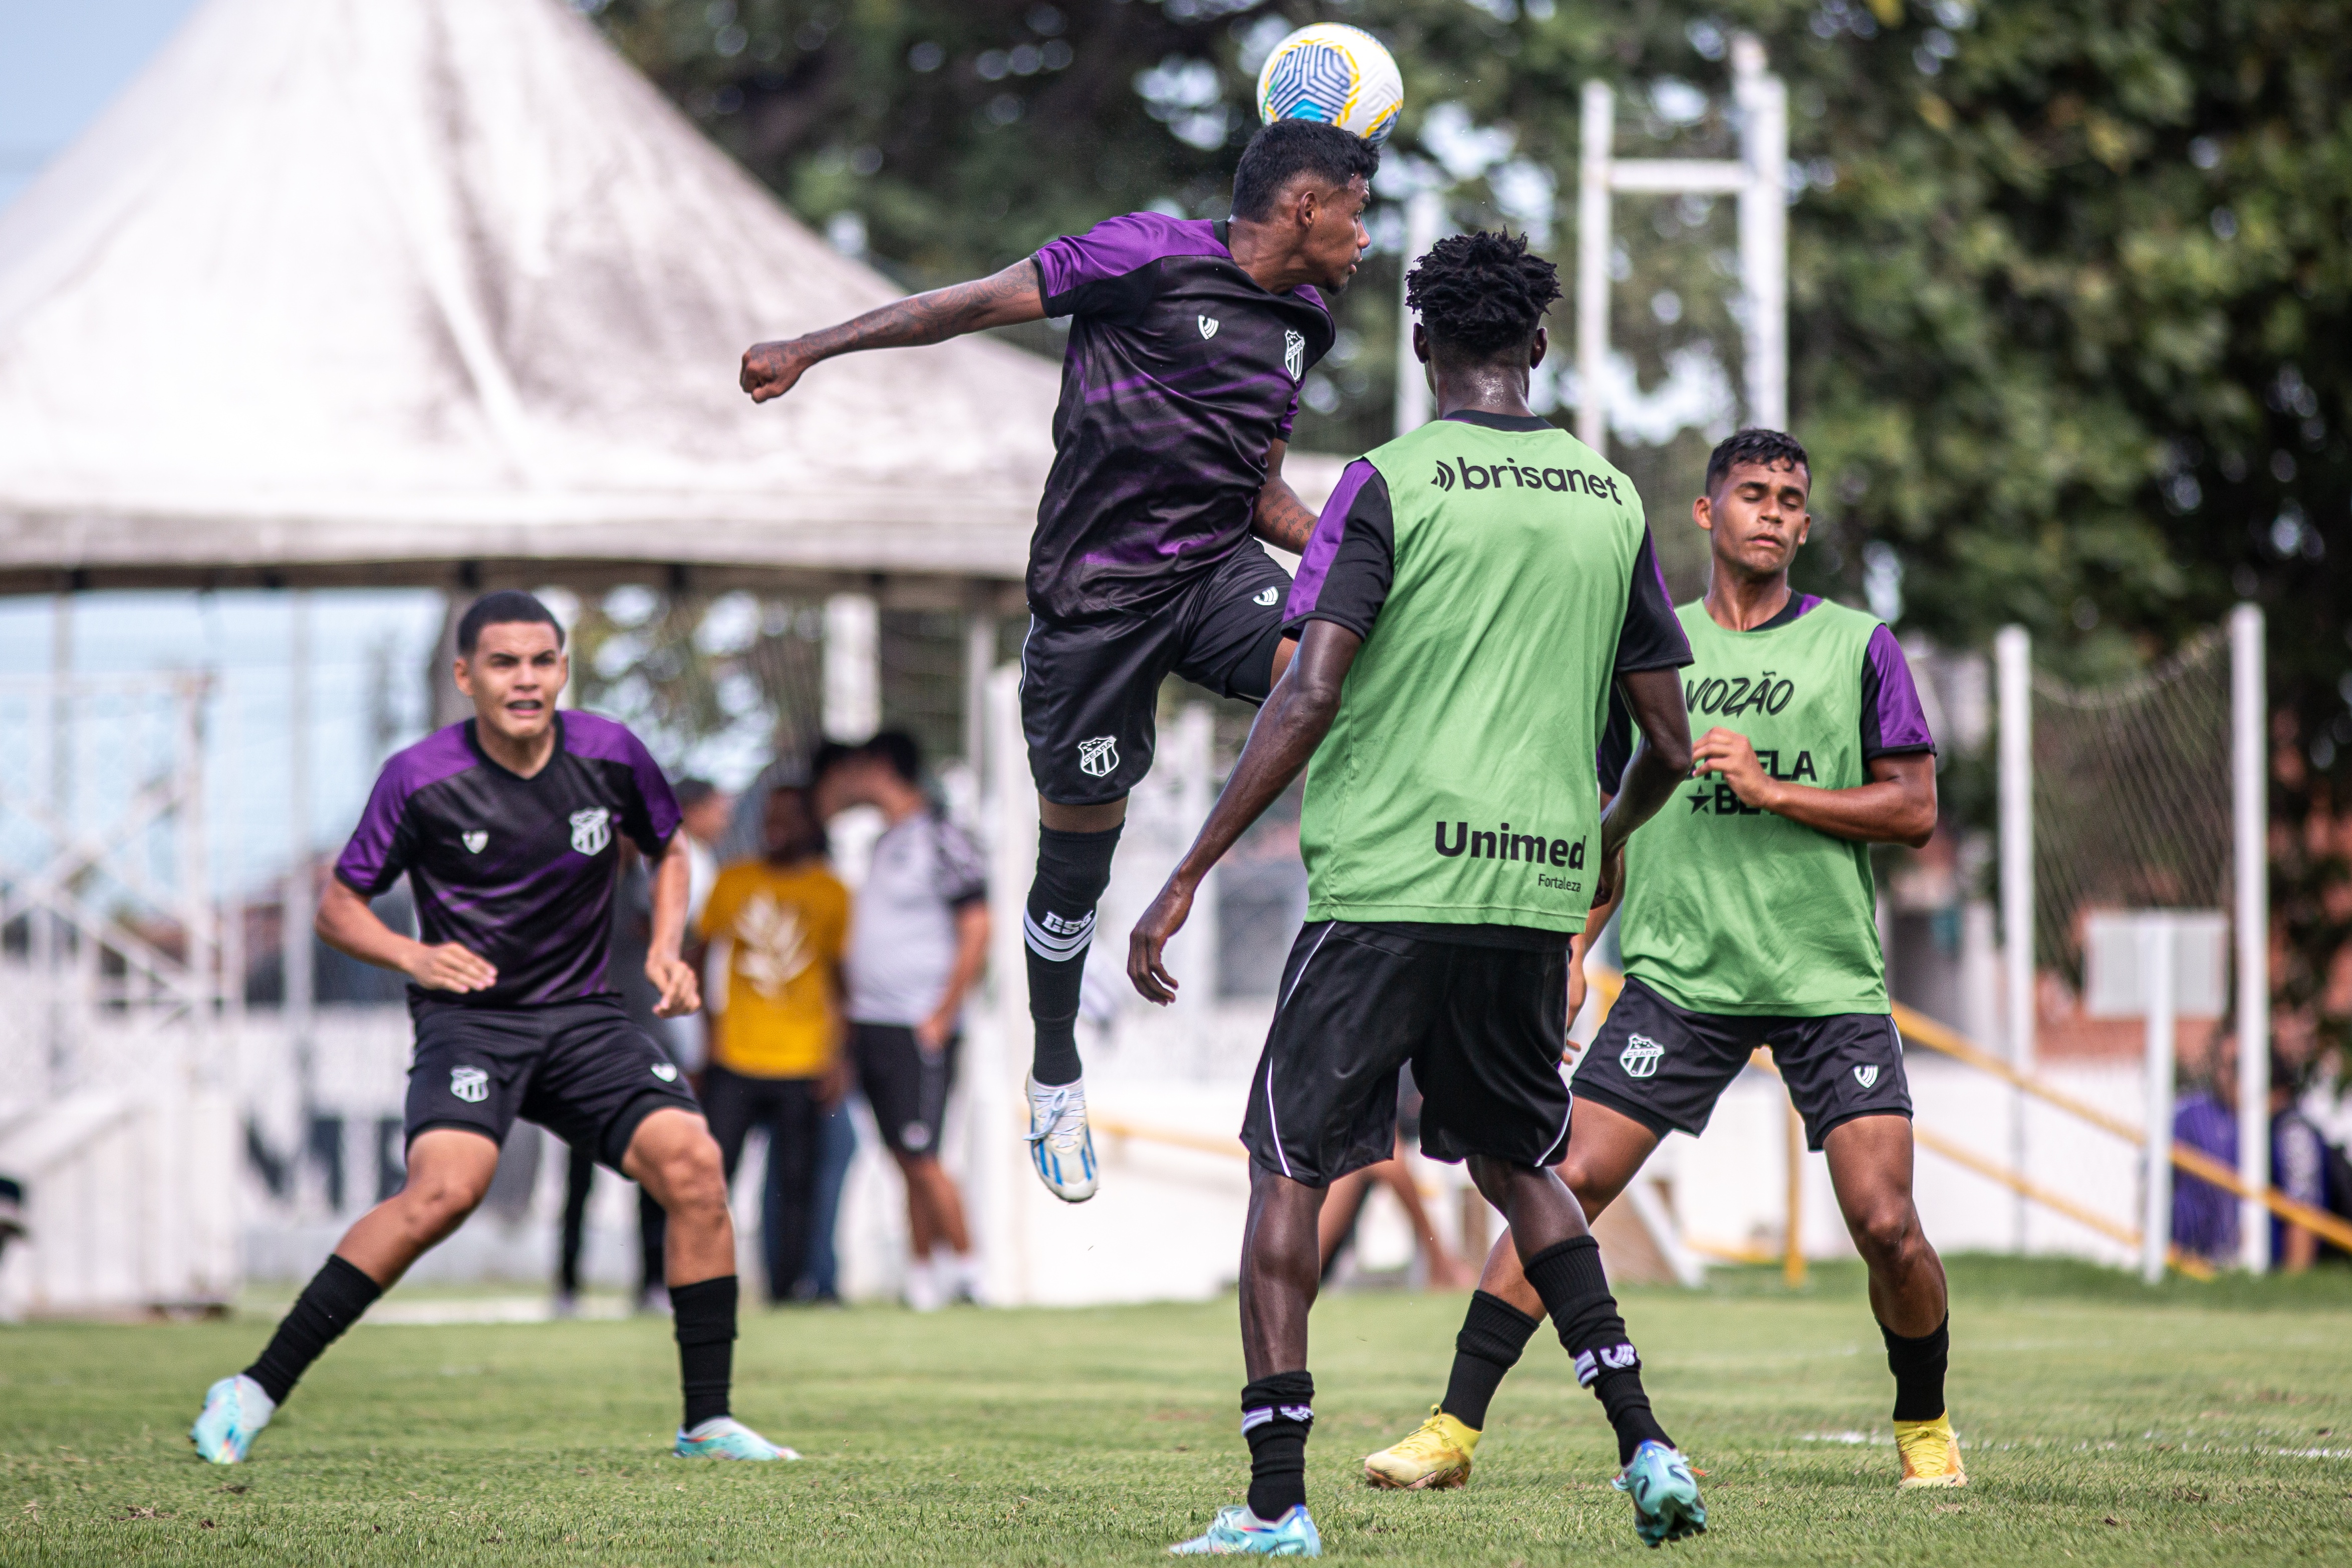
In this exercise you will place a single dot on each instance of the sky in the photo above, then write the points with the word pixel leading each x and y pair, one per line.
pixel 62 61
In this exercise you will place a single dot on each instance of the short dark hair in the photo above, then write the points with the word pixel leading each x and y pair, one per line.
pixel 1283 151
pixel 1482 295
pixel 897 750
pixel 691 792
pixel 507 606
pixel 828 755
pixel 1754 444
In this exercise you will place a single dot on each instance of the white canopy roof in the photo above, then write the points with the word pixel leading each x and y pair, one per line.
pixel 348 291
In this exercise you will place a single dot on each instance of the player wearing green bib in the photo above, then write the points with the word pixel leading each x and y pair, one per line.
pixel 1470 597
pixel 1749 921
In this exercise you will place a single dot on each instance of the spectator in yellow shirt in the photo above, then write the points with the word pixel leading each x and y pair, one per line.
pixel 781 923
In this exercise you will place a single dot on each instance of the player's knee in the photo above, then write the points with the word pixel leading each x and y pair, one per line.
pixel 693 1179
pixel 1885 1231
pixel 432 1205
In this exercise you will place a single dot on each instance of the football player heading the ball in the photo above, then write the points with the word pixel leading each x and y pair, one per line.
pixel 1190 342
pixel 508 827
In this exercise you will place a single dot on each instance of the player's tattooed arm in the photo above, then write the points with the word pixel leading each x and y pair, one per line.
pixel 1897 807
pixel 1001 300
pixel 671 975
pixel 348 925
pixel 1661 762
pixel 1296 717
pixel 1280 518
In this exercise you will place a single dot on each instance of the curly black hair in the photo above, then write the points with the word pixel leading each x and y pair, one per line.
pixel 1481 294
pixel 1754 444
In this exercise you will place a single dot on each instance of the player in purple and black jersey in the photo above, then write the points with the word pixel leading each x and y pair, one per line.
pixel 1189 342
pixel 507 827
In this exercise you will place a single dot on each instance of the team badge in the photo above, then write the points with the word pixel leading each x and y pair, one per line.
pixel 473 841
pixel 1267 596
pixel 472 1085
pixel 1640 1057
pixel 665 1072
pixel 1866 1076
pixel 1098 757
pixel 591 831
pixel 1209 325
pixel 1293 353
pixel 915 1136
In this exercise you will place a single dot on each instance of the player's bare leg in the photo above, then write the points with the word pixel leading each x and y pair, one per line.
pixel 674 1157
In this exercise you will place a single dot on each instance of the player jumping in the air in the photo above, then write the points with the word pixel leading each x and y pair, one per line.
pixel 508 828
pixel 1471 594
pixel 1179 386
pixel 1749 920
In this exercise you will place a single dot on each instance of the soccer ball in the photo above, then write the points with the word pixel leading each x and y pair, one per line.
pixel 1334 73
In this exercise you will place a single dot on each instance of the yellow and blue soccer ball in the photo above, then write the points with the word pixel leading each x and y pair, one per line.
pixel 1339 75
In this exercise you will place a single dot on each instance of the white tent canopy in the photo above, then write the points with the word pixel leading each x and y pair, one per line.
pixel 443 291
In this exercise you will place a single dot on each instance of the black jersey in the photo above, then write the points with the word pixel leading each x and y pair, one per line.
pixel 1180 372
pixel 518 870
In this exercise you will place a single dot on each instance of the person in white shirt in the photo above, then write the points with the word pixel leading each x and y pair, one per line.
pixel 917 940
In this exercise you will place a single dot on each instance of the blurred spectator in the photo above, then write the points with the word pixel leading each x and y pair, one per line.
pixel 777 926
pixel 1344 1203
pixel 918 942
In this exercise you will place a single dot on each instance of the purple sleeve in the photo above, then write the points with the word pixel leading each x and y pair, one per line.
pixel 1315 560
pixel 655 816
pixel 382 845
pixel 1892 720
pixel 1290 417
pixel 1079 274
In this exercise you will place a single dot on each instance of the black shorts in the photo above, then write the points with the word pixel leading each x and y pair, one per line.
pixel 1665 1068
pixel 582 1069
pixel 906 1085
pixel 1482 1026
pixel 1090 690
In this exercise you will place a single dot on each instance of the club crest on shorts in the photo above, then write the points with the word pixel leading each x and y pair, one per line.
pixel 472 1085
pixel 473 841
pixel 1098 757
pixel 1209 325
pixel 1267 596
pixel 915 1136
pixel 1866 1076
pixel 591 831
pixel 664 1071
pixel 1293 353
pixel 1640 1057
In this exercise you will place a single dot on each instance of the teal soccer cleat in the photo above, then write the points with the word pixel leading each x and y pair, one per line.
pixel 235 1410
pixel 724 1438
pixel 1666 1495
pixel 1236 1532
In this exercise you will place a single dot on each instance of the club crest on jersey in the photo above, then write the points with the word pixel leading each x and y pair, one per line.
pixel 473 841
pixel 1098 757
pixel 664 1071
pixel 1267 596
pixel 1293 353
pixel 472 1085
pixel 1640 1057
pixel 1209 325
pixel 591 831
pixel 1866 1076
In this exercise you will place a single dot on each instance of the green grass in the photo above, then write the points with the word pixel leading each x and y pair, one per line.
pixel 2105 1424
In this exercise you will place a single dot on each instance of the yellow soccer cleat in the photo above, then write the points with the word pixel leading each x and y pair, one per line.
pixel 1436 1456
pixel 1931 1454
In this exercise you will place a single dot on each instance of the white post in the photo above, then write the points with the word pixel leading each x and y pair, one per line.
pixel 2250 823
pixel 2014 684
pixel 1593 235
pixel 296 944
pixel 1424 215
pixel 999 1157
pixel 47 928
pixel 1763 102
pixel 1196 792
pixel 853 666
pixel 979 664
pixel 2155 961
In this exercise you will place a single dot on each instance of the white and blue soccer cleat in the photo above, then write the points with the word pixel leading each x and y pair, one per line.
pixel 1665 1493
pixel 1238 1532
pixel 235 1410
pixel 1061 1144
pixel 724 1438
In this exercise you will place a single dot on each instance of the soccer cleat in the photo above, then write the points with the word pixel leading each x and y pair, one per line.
pixel 1931 1453
pixel 724 1438
pixel 1061 1144
pixel 235 1410
pixel 1665 1493
pixel 1432 1458
pixel 1238 1532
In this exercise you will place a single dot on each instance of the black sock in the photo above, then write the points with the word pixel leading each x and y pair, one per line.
pixel 1073 869
pixel 702 1315
pixel 1275 1414
pixel 1492 1335
pixel 1575 1292
pixel 332 1302
pixel 1919 1368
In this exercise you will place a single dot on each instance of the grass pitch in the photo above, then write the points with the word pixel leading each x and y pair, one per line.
pixel 2105 1424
